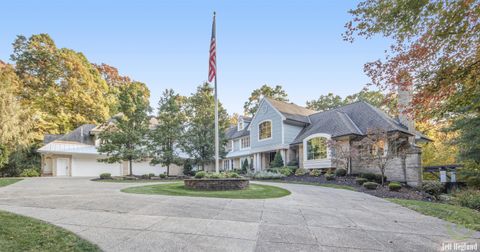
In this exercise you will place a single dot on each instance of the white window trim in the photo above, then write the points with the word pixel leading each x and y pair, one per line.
pixel 305 154
pixel 271 130
pixel 249 143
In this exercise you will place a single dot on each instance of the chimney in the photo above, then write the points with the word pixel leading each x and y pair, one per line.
pixel 405 114
pixel 81 134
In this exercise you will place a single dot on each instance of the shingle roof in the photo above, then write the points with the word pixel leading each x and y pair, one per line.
pixel 79 135
pixel 233 132
pixel 291 111
pixel 352 119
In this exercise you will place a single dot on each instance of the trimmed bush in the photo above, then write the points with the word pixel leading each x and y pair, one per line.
pixel 293 163
pixel 372 177
pixel 315 172
pixel 277 161
pixel 146 176
pixel 340 172
pixel 162 175
pixel 329 176
pixel 468 198
pixel 286 171
pixel 432 187
pixel 105 176
pixel 215 175
pixel 300 172
pixel 267 175
pixel 370 185
pixel 32 172
pixel 200 175
pixel 232 175
pixel 394 186
pixel 361 181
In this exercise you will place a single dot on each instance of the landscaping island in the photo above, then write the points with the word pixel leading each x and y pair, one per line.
pixel 223 184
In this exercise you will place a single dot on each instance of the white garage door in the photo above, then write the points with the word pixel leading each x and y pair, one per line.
pixel 145 168
pixel 88 166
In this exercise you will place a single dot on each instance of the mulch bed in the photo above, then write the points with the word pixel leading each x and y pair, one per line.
pixel 406 192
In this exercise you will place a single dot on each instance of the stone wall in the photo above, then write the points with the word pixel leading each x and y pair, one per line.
pixel 216 184
pixel 408 171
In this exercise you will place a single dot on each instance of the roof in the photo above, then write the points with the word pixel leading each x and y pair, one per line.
pixel 79 135
pixel 292 111
pixel 233 132
pixel 62 147
pixel 352 119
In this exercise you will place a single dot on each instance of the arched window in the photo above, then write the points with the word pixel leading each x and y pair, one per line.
pixel 265 130
pixel 317 148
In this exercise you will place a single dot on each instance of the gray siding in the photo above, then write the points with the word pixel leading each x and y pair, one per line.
pixel 236 144
pixel 266 112
pixel 290 132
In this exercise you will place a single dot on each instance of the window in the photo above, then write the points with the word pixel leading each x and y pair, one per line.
pixel 245 142
pixel 317 148
pixel 265 130
pixel 226 164
pixel 240 125
pixel 378 148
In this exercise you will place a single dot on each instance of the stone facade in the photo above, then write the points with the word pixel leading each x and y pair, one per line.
pixel 216 184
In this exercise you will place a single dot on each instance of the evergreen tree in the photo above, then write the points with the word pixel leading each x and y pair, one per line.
pixel 166 136
pixel 245 165
pixel 277 161
pixel 199 140
pixel 126 139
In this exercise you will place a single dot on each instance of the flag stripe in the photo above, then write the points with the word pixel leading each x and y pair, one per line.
pixel 212 66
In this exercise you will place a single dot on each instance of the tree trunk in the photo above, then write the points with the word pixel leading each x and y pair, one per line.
pixel 168 170
pixel 131 170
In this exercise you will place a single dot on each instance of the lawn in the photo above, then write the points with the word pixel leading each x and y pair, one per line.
pixel 20 233
pixel 8 181
pixel 466 217
pixel 254 191
pixel 336 186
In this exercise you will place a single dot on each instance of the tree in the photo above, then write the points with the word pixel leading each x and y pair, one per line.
pixel 276 93
pixel 277 160
pixel 126 139
pixel 379 148
pixel 326 102
pixel 344 153
pixel 168 133
pixel 199 137
pixel 245 166
pixel 233 119
pixel 468 141
pixel 441 150
pixel 59 85
pixel 16 125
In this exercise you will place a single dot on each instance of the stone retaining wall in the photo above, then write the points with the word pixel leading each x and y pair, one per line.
pixel 216 184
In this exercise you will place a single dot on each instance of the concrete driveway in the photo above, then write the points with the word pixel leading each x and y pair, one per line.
pixel 310 219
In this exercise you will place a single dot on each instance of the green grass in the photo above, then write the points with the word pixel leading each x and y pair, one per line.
pixel 8 181
pixel 344 187
pixel 20 233
pixel 254 191
pixel 466 217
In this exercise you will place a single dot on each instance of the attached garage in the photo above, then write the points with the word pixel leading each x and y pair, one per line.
pixel 88 166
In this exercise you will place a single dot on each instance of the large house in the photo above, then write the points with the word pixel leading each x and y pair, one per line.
pixel 300 135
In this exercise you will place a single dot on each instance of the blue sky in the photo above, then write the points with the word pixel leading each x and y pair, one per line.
pixel 296 44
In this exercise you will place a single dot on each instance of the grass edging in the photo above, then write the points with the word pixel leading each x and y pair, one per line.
pixel 9 181
pixel 463 216
pixel 254 191
pixel 335 186
pixel 21 233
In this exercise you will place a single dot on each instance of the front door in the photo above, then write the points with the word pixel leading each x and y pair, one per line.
pixel 62 166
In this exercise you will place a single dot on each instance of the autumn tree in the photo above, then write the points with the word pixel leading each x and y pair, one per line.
pixel 379 148
pixel 127 138
pixel 277 93
pixel 167 134
pixel 199 137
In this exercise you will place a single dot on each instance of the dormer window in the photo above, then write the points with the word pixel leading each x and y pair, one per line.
pixel 240 125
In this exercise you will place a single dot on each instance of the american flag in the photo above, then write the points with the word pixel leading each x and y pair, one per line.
pixel 212 63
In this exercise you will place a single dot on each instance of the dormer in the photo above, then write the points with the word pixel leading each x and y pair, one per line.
pixel 243 122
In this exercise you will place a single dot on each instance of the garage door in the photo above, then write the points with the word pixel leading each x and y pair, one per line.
pixel 88 166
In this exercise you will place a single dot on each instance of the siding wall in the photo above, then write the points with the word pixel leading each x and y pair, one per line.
pixel 266 112
pixel 236 144
pixel 290 132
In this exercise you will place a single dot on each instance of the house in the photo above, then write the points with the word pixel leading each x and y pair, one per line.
pixel 75 155
pixel 300 135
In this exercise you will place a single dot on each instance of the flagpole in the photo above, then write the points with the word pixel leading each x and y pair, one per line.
pixel 217 162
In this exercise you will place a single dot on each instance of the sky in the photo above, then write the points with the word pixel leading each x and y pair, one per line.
pixel 165 44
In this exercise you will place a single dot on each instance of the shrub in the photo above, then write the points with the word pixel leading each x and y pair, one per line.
pixel 300 172
pixel 329 176
pixel 277 161
pixel 470 173
pixel 432 187
pixel 215 175
pixel 286 171
pixel 188 168
pixel 200 175
pixel 293 163
pixel 340 172
pixel 315 172
pixel 394 186
pixel 232 175
pixel 372 177
pixel 151 175
pixel 361 181
pixel 468 198
pixel 31 172
pixel 245 166
pixel 370 185
pixel 162 175
pixel 105 176
pixel 267 175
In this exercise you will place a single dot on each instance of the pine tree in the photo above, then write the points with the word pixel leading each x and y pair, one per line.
pixel 126 139
pixel 277 161
pixel 166 136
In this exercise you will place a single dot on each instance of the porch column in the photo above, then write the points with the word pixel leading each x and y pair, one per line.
pixel 284 157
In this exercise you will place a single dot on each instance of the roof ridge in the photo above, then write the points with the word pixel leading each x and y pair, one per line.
pixel 350 119
pixel 289 103
pixel 343 106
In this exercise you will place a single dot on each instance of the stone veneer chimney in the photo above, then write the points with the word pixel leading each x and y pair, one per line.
pixel 405 94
